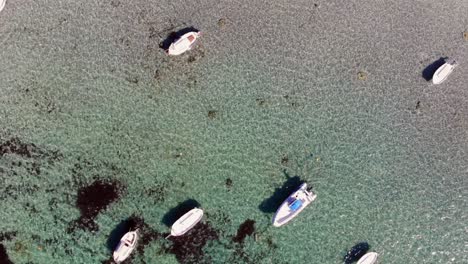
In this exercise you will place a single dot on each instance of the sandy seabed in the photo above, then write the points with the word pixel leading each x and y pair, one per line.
pixel 101 132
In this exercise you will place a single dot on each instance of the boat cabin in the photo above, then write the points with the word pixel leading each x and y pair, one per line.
pixel 294 206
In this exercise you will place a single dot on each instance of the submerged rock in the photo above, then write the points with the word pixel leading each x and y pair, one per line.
pixel 228 183
pixel 16 146
pixel 245 229
pixel 284 160
pixel 222 22
pixel 27 150
pixel 362 76
pixel 4 259
pixel 147 234
pixel 7 235
pixel 212 114
pixel 93 199
pixel 189 247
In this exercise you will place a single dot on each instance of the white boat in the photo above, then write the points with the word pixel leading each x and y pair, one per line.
pixel 369 258
pixel 2 4
pixel 186 222
pixel 443 72
pixel 184 43
pixel 293 205
pixel 126 245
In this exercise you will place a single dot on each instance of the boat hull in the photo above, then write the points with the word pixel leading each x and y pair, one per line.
pixel 126 246
pixel 183 44
pixel 2 4
pixel 369 258
pixel 443 72
pixel 186 222
pixel 293 205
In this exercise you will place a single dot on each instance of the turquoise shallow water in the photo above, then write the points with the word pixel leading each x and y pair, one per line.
pixel 271 93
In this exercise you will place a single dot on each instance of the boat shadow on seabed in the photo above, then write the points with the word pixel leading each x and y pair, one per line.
pixel 356 252
pixel 173 36
pixel 271 204
pixel 429 71
pixel 175 213
pixel 127 225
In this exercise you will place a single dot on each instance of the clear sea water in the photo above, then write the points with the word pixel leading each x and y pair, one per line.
pixel 269 96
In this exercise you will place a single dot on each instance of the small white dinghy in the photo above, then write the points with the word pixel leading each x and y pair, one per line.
pixel 293 205
pixel 126 245
pixel 443 72
pixel 369 258
pixel 186 222
pixel 184 43
pixel 2 4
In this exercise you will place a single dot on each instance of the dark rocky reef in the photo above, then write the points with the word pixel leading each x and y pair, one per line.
pixel 26 150
pixel 228 183
pixel 157 192
pixel 93 199
pixel 4 259
pixel 15 146
pixel 245 229
pixel 7 235
pixel 189 247
pixel 29 158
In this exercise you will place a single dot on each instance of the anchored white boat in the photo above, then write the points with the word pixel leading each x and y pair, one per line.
pixel 2 4
pixel 186 222
pixel 293 205
pixel 369 258
pixel 126 245
pixel 443 72
pixel 184 43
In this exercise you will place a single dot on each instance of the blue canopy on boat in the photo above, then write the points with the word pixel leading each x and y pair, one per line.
pixel 295 205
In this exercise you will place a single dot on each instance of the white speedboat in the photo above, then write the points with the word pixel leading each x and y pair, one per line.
pixel 2 4
pixel 126 245
pixel 293 205
pixel 184 43
pixel 186 222
pixel 369 258
pixel 443 72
